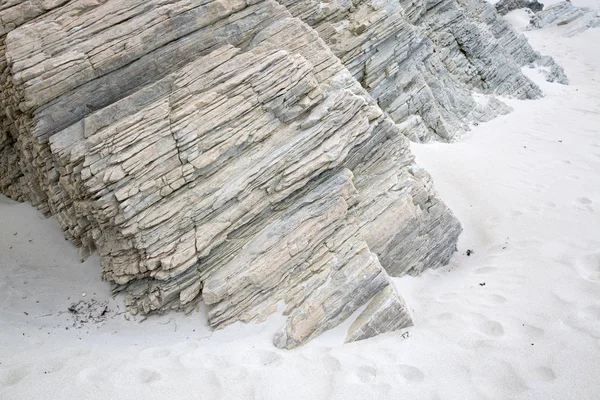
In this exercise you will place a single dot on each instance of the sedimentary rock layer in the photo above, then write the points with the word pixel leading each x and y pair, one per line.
pixel 236 152
pixel 505 6
pixel 424 58
pixel 216 150
pixel 575 19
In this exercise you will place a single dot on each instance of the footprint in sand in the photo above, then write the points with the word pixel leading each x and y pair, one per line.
pixel 52 365
pixel 211 378
pixel 545 374
pixel 410 373
pixel 383 388
pixel 538 188
pixel 236 373
pixel 11 376
pixel 445 317
pixel 366 373
pixel 332 363
pixel 192 345
pixel 145 375
pixel 492 328
pixel 584 204
pixel 495 299
pixel 588 267
pixel 211 361
pixel 261 358
pixel 472 341
pixel 94 375
pixel 579 321
pixel 507 378
pixel 592 312
pixel 531 331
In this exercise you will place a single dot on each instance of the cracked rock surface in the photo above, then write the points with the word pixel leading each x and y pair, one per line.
pixel 575 19
pixel 252 153
pixel 426 58
pixel 505 6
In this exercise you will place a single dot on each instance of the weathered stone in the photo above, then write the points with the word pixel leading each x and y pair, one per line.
pixel 423 58
pixel 505 6
pixel 218 150
pixel 386 312
pixel 576 19
pixel 221 152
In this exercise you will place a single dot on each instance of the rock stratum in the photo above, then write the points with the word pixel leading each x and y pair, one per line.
pixel 505 6
pixel 251 154
pixel 575 19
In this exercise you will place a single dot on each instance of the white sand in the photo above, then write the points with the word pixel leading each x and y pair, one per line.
pixel 526 187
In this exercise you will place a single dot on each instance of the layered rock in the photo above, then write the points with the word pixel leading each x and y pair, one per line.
pixel 236 151
pixel 216 150
pixel 424 58
pixel 505 6
pixel 575 19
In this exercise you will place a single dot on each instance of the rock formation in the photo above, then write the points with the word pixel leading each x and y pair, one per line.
pixel 576 19
pixel 505 6
pixel 425 59
pixel 218 150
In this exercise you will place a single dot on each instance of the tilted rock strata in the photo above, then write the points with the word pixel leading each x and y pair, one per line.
pixel 385 313
pixel 511 45
pixel 576 19
pixel 426 58
pixel 216 150
pixel 505 6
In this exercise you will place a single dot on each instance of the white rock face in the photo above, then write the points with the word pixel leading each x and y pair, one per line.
pixel 220 151
pixel 426 59
pixel 576 19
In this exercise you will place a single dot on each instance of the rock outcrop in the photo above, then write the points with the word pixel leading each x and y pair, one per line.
pixel 575 19
pixel 425 59
pixel 225 151
pixel 505 6
pixel 217 150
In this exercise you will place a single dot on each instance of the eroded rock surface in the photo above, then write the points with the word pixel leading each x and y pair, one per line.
pixel 575 19
pixel 505 6
pixel 218 150
pixel 214 150
pixel 423 58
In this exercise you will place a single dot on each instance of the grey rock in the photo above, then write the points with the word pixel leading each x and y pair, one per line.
pixel 428 59
pixel 215 151
pixel 250 153
pixel 505 6
pixel 386 312
pixel 576 19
